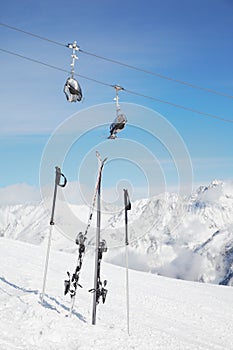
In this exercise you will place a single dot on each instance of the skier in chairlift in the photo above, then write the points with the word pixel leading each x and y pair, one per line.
pixel 72 90
pixel 117 125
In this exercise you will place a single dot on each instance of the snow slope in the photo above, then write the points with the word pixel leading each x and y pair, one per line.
pixel 164 313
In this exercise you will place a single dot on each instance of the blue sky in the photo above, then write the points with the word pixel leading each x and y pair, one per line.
pixel 187 40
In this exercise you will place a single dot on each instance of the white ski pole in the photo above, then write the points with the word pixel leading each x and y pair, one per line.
pixel 127 207
pixel 57 183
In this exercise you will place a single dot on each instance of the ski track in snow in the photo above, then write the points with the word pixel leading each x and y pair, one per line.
pixel 164 313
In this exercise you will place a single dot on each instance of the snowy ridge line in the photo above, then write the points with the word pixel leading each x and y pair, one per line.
pixel 188 238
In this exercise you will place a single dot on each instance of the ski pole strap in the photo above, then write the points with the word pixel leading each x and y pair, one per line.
pixel 58 178
pixel 65 181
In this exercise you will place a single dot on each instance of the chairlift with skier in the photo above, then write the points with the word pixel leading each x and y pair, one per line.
pixel 120 120
pixel 72 88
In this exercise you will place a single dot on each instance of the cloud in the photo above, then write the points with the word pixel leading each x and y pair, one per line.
pixel 73 193
pixel 136 261
pixel 211 162
pixel 78 194
pixel 19 194
pixel 187 266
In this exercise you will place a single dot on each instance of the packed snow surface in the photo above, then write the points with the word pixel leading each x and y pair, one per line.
pixel 164 313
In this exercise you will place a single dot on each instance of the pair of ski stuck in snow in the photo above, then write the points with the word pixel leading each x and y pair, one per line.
pixel 72 282
pixel 73 93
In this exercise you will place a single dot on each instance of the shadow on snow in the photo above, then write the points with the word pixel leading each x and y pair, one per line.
pixel 46 304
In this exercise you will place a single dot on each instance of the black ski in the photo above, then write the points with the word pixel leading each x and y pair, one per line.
pixel 72 282
pixel 98 289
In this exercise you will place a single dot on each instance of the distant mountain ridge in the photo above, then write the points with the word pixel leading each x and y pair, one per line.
pixel 188 238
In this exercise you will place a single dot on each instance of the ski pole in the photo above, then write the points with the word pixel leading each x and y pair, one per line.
pixel 127 207
pixel 57 183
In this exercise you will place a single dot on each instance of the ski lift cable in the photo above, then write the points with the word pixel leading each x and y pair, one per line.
pixel 180 106
pixel 53 67
pixel 194 86
pixel 191 85
pixel 31 34
pixel 126 90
